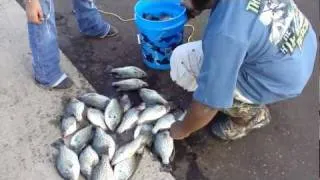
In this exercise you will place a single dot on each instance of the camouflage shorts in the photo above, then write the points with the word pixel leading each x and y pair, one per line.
pixel 246 114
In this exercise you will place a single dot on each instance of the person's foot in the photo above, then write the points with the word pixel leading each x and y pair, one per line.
pixel 224 128
pixel 65 84
pixel 112 32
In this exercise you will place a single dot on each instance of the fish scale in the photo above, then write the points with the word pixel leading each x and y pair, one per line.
pixel 67 162
pixel 164 146
pixel 129 85
pixel 81 138
pixel 103 170
pixel 96 118
pixel 103 143
pixel 75 108
pixel 128 72
pixel 68 126
pixel 88 160
pixel 95 100
pixel 113 114
pixel 153 113
pixel 125 169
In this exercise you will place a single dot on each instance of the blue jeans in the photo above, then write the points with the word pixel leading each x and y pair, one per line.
pixel 43 38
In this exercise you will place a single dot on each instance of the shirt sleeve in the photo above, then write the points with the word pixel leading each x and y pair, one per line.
pixel 223 56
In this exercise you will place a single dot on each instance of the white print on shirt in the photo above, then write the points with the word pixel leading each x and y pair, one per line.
pixel 288 26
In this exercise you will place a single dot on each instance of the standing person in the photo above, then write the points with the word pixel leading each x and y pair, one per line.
pixel 43 38
pixel 253 53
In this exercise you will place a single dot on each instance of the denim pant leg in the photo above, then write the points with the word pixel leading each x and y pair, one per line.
pixel 44 47
pixel 89 19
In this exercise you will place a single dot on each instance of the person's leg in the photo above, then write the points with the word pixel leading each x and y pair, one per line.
pixel 44 47
pixel 89 19
pixel 185 62
pixel 241 119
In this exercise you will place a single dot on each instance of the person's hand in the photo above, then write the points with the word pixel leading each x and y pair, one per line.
pixel 178 132
pixel 191 11
pixel 34 12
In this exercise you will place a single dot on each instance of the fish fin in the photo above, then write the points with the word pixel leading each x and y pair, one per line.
pixel 115 84
pixel 166 168
pixel 115 74
pixel 171 106
pixel 58 143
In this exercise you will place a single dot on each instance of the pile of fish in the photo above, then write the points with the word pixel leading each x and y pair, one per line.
pixel 161 17
pixel 92 123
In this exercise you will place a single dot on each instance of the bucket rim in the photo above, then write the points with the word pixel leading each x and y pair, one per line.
pixel 176 17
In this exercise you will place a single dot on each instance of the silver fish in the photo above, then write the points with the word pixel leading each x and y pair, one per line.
pixel 180 114
pixel 129 119
pixel 125 169
pixel 126 151
pixel 142 129
pixel 68 126
pixel 125 103
pixel 129 84
pixel 113 114
pixel 164 146
pixel 153 113
pixel 128 72
pixel 150 96
pixel 88 160
pixel 95 100
pixel 103 143
pixel 96 118
pixel 103 171
pixel 81 139
pixel 67 162
pixel 75 108
pixel 163 123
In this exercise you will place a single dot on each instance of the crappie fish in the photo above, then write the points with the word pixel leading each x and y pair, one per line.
pixel 113 114
pixel 81 139
pixel 125 102
pixel 126 151
pixel 153 113
pixel 96 118
pixel 145 132
pixel 88 160
pixel 164 146
pixel 103 143
pixel 129 84
pixel 150 96
pixel 125 169
pixel 142 129
pixel 129 119
pixel 67 162
pixel 75 108
pixel 163 123
pixel 128 72
pixel 95 100
pixel 103 171
pixel 68 126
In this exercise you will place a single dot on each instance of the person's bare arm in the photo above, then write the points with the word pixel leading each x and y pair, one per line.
pixel 198 116
pixel 34 11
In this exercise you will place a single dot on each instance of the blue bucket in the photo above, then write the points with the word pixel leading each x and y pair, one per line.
pixel 159 37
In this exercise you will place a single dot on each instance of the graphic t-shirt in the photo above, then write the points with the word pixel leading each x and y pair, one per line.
pixel 265 48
